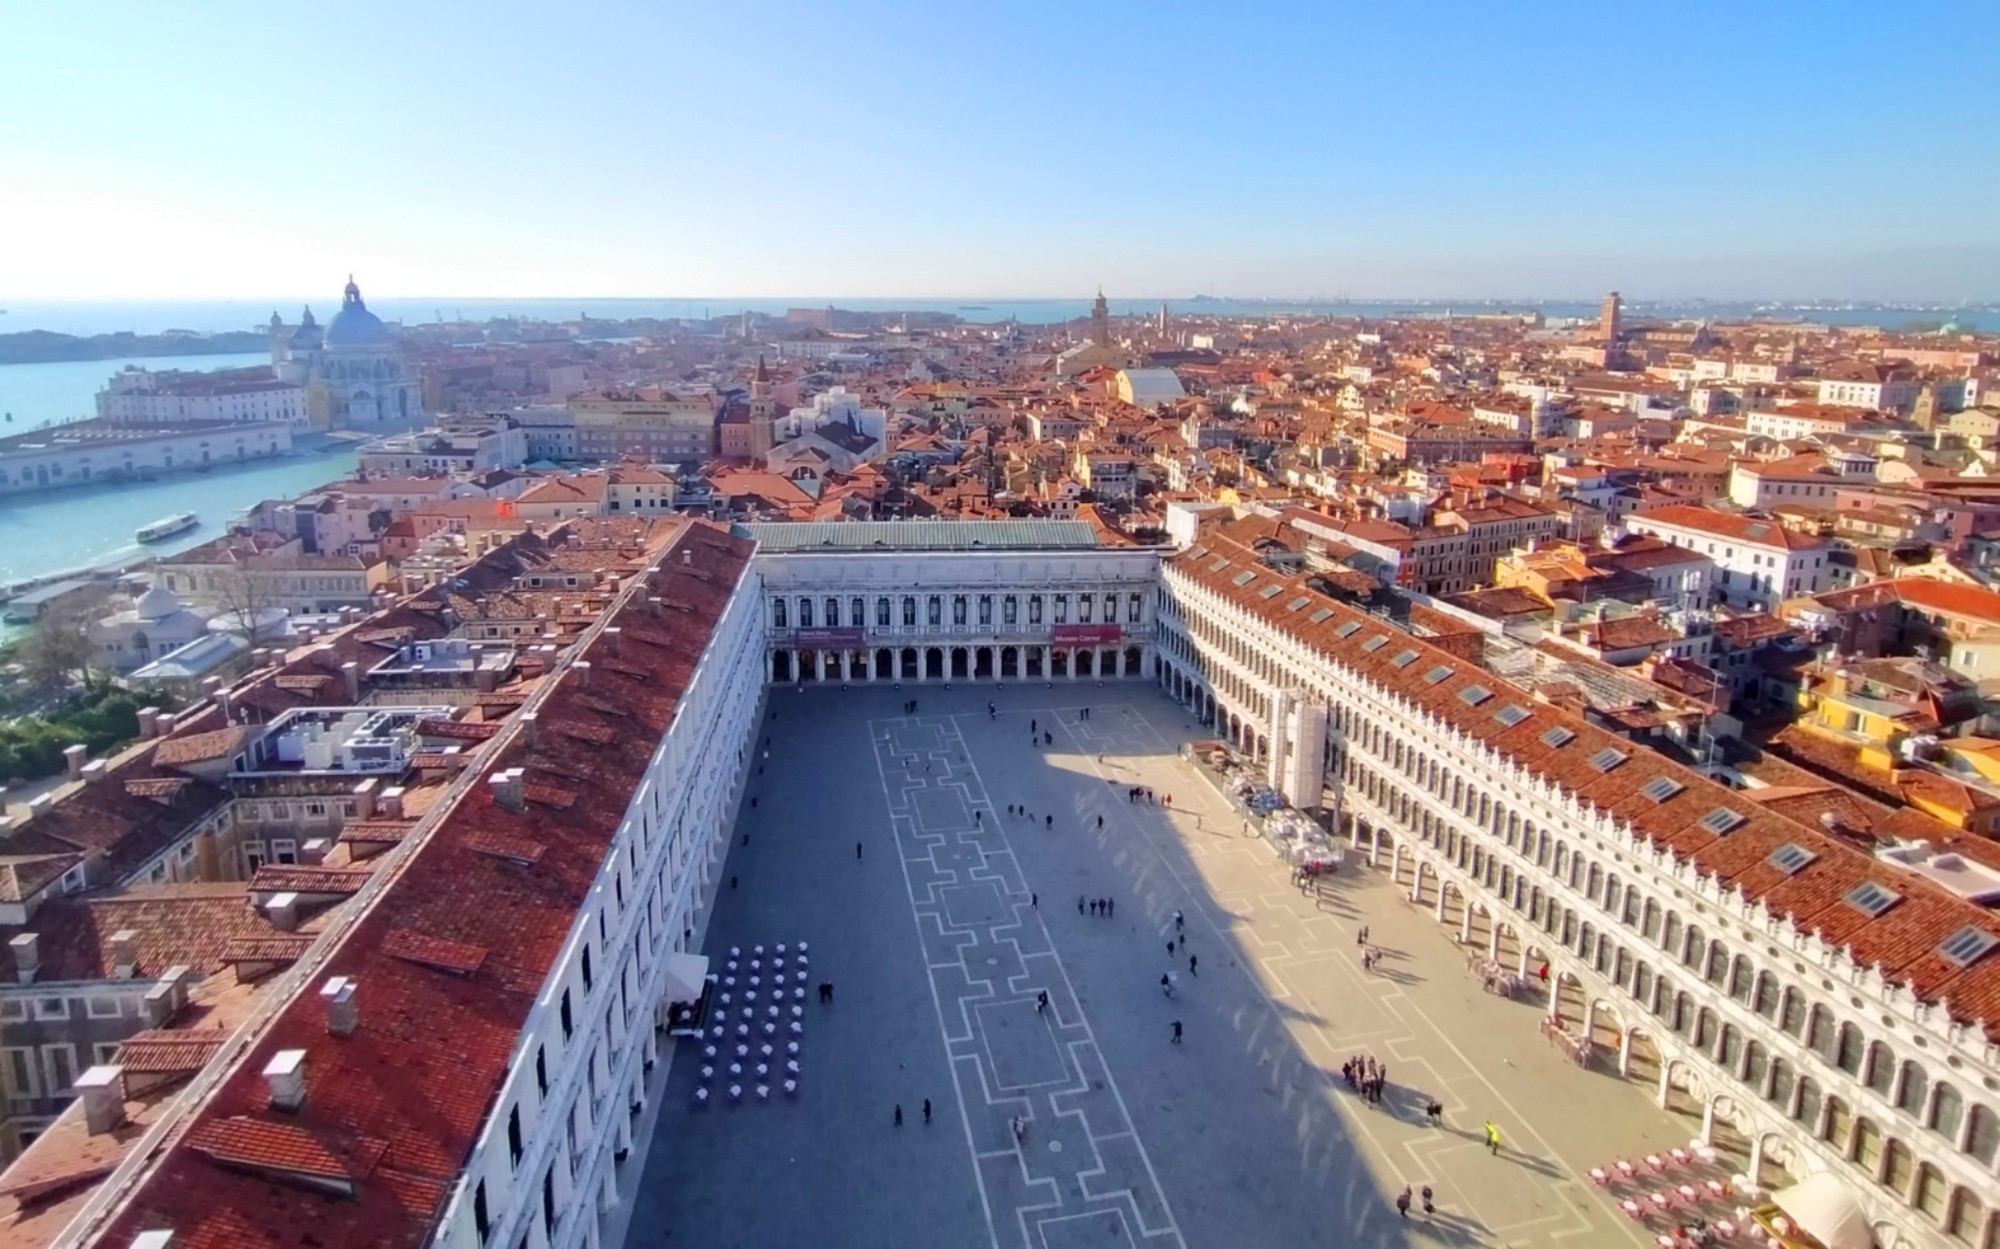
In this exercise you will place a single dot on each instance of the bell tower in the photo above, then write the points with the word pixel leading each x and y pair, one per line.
pixel 1100 321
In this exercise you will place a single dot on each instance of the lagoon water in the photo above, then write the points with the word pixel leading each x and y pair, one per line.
pixel 40 394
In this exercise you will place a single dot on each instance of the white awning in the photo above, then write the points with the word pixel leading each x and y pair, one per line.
pixel 1822 1207
pixel 686 974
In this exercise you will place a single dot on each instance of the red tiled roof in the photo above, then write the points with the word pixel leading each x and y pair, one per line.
pixel 169 1053
pixel 429 951
pixel 299 878
pixel 287 1147
pixel 422 1070
pixel 1730 525
pixel 199 747
pixel 178 925
pixel 276 947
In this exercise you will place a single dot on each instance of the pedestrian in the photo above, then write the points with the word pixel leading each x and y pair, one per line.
pixel 1166 984
pixel 979 817
pixel 1094 904
pixel 1034 726
pixel 1079 904
pixel 1020 1126
pixel 1041 1001
pixel 1048 739
pixel 1435 1112
pixel 1177 1032
pixel 1170 949
pixel 1048 821
pixel 1192 962
pixel 732 882
pixel 1111 905
pixel 746 839
pixel 1403 1202
pixel 826 991
pixel 1100 756
pixel 899 1114
pixel 1100 821
pixel 1035 901
pixel 1429 1209
pixel 1492 1139
pixel 927 1116
pixel 1179 922
pixel 857 849
pixel 1544 973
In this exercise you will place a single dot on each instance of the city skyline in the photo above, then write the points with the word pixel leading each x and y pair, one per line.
pixel 900 152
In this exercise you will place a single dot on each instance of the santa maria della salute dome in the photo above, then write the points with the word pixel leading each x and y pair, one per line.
pixel 353 370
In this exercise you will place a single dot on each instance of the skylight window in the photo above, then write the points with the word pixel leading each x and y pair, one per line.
pixel 1512 714
pixel 1437 674
pixel 1347 630
pixel 1297 603
pixel 1405 659
pixel 1661 788
pixel 1270 591
pixel 1607 759
pixel 1376 643
pixel 1871 899
pixel 1964 947
pixel 1558 736
pixel 1721 820
pixel 1244 578
pixel 1473 695
pixel 1789 858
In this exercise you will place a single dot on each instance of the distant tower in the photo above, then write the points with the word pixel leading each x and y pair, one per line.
pixel 1163 316
pixel 761 411
pixel 1607 320
pixel 1100 321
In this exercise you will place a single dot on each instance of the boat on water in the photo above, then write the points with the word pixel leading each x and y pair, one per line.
pixel 167 526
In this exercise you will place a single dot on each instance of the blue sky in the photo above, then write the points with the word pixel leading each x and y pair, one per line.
pixel 944 149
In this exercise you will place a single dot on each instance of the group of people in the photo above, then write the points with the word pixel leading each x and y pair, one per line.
pixel 1106 907
pixel 1144 793
pixel 1403 1201
pixel 1365 1076
pixel 909 708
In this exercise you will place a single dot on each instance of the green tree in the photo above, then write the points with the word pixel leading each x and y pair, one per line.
pixel 59 651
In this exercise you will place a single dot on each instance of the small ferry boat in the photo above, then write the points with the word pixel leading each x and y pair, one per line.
pixel 167 526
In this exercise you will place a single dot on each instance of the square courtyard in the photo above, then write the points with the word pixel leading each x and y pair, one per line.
pixel 885 842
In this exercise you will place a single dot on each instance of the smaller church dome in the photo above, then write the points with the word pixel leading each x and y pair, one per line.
pixel 157 604
pixel 354 325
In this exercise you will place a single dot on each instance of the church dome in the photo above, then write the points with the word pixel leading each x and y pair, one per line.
pixel 354 325
pixel 157 604
pixel 310 333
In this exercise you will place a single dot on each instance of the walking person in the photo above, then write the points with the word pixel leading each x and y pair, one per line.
pixel 1429 1209
pixel 899 1114
pixel 1170 949
pixel 1167 984
pixel 1041 1001
pixel 857 850
pixel 1035 901
pixel 1403 1202
pixel 1177 1032
pixel 927 1114
pixel 1079 904
pixel 1048 821
pixel 1100 822
pixel 1179 923
pixel 1111 905
pixel 1492 1139
pixel 1193 962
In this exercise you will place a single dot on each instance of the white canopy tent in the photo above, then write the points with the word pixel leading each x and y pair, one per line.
pixel 1822 1207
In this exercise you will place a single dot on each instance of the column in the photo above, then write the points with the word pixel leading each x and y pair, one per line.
pixel 1555 994
pixel 1708 1122
pixel 1660 1095
pixel 1493 938
pixel 1625 1054
pixel 1441 897
pixel 1755 1167
pixel 1465 921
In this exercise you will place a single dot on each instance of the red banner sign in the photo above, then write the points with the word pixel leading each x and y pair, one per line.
pixel 828 639
pixel 1089 635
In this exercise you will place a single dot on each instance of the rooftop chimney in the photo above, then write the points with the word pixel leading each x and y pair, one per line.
pixel 654 606
pixel 93 772
pixel 125 953
pixel 392 803
pixel 283 911
pixel 103 1092
pixel 531 728
pixel 287 1073
pixel 582 670
pixel 364 799
pixel 27 956
pixel 614 640
pixel 74 757
pixel 149 723
pixel 314 852
pixel 351 673
pixel 342 1012
pixel 508 790
pixel 163 1239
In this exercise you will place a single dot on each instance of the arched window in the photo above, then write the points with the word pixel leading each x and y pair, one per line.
pixel 1893 1162
pixel 1947 1113
pixel 1792 1016
pixel 1670 940
pixel 1915 1086
pixel 1783 1081
pixel 909 610
pixel 1765 1000
pixel 1930 1191
pixel 1963 1220
pixel 1851 1050
pixel 934 610
pixel 780 610
pixel 1010 610
pixel 1839 1124
pixel 1881 1069
pixel 1741 981
pixel 882 613
pixel 1697 950
pixel 1810 1100
pixel 1649 924
pixel 1732 1046
pixel 857 611
pixel 1982 1134
pixel 805 613
pixel 1822 1034
pixel 1756 1066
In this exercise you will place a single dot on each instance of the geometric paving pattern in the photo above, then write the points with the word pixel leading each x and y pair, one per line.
pixel 1079 1174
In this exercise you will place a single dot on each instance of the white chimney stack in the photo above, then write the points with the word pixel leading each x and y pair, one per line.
pixel 343 1013
pixel 103 1092
pixel 351 673
pixel 162 1239
pixel 287 1075
pixel 149 723
pixel 27 955
pixel 364 799
pixel 391 807
pixel 74 757
pixel 283 911
pixel 93 772
pixel 508 790
pixel 125 953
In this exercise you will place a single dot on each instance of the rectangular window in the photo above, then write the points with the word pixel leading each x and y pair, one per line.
pixel 1062 609
pixel 284 851
pixel 514 1145
pixel 1034 609
pixel 1083 608
pixel 986 609
pixel 23 1073
pixel 1135 608
pixel 59 1061
pixel 1010 610
pixel 103 1007
pixel 51 1008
